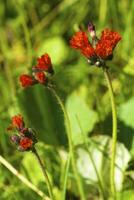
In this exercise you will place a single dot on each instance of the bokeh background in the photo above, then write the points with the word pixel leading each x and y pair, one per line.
pixel 27 30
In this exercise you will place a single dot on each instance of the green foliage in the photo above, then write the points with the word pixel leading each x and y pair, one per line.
pixel 127 109
pixel 41 111
pixel 99 148
pixel 81 117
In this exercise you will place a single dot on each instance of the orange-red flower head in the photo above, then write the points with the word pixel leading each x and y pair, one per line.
pixel 44 63
pixel 100 49
pixel 17 122
pixel 88 51
pixel 40 74
pixel 80 41
pixel 26 80
pixel 40 77
pixel 107 43
pixel 25 139
pixel 25 143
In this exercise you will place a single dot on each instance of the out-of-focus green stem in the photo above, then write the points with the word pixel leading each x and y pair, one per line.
pixel 63 195
pixel 114 132
pixel 69 134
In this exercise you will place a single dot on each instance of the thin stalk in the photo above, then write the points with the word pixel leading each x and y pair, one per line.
pixel 63 195
pixel 49 186
pixel 114 131
pixel 69 134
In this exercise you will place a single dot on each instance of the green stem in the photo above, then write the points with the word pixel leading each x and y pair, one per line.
pixel 69 134
pixel 49 186
pixel 63 195
pixel 114 131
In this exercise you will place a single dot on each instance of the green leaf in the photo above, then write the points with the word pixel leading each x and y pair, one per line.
pixel 129 69
pixel 127 194
pixel 32 169
pixel 126 126
pixel 82 118
pixel 42 112
pixel 100 151
pixel 126 111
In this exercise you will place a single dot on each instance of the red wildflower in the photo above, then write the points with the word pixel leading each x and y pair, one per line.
pixel 111 36
pixel 40 77
pixel 26 80
pixel 25 143
pixel 103 48
pixel 17 122
pixel 79 40
pixel 44 63
pixel 88 51
pixel 25 139
pixel 107 43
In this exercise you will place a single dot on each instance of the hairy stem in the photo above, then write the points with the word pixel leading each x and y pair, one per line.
pixel 49 186
pixel 114 131
pixel 69 134
pixel 63 195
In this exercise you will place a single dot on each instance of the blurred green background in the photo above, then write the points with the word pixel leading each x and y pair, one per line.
pixel 27 30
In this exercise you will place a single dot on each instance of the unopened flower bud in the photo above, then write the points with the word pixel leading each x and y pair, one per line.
pixel 91 30
pixel 15 139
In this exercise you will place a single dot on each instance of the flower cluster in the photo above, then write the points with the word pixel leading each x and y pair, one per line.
pixel 25 139
pixel 100 49
pixel 40 74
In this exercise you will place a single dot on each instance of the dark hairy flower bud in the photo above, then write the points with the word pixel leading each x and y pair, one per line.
pixel 91 30
pixel 26 137
pixel 15 139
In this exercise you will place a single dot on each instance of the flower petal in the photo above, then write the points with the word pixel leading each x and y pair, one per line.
pixel 26 80
pixel 107 43
pixel 79 40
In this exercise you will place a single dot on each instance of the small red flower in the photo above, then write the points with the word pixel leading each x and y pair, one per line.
pixel 41 72
pixel 26 80
pixel 25 139
pixel 79 40
pixel 107 43
pixel 17 122
pixel 88 51
pixel 25 143
pixel 44 63
pixel 102 49
pixel 111 36
pixel 40 77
